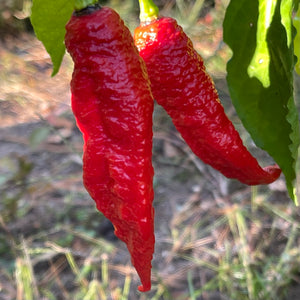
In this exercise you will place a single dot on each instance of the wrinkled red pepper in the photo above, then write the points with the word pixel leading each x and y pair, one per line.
pixel 113 106
pixel 181 85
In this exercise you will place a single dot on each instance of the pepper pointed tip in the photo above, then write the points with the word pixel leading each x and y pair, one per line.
pixel 144 288
pixel 273 172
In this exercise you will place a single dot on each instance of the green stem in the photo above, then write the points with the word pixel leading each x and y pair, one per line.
pixel 148 11
pixel 81 4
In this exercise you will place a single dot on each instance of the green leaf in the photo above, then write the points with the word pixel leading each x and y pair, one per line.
pixel 48 18
pixel 263 97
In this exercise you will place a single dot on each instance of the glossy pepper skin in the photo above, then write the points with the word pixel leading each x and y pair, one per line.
pixel 181 85
pixel 113 105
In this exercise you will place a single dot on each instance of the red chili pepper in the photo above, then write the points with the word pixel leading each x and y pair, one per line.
pixel 181 85
pixel 113 106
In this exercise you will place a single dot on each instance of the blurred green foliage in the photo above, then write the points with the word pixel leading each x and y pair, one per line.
pixel 14 17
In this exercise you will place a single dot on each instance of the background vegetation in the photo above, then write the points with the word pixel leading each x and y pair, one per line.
pixel 215 238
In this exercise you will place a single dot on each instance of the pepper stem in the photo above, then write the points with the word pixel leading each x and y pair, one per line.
pixel 81 4
pixel 148 11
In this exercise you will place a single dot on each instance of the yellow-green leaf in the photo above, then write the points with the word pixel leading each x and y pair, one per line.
pixel 296 23
pixel 259 65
